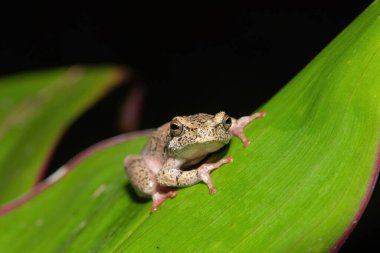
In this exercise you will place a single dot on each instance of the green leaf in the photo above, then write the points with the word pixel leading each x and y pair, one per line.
pixel 300 185
pixel 35 109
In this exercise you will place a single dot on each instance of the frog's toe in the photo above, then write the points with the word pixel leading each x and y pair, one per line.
pixel 159 198
pixel 212 190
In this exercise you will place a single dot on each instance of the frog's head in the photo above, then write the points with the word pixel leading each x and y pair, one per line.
pixel 194 136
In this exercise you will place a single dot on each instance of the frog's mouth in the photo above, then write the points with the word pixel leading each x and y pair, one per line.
pixel 199 149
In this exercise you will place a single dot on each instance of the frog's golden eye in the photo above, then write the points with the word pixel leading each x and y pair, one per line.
pixel 227 122
pixel 176 129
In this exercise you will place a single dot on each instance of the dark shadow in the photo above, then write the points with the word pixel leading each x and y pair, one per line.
pixel 132 194
pixel 222 152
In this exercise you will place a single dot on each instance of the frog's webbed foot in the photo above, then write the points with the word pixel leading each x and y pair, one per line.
pixel 159 198
pixel 237 128
pixel 205 169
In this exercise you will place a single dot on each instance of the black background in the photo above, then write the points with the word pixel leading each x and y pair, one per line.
pixel 191 58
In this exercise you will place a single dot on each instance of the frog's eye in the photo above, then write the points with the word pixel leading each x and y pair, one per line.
pixel 176 129
pixel 227 122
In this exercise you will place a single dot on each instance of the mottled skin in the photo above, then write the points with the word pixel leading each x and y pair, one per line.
pixel 178 144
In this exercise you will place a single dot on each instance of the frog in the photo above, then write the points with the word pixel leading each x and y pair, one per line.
pixel 177 154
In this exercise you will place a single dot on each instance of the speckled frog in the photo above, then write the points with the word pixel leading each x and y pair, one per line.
pixel 185 141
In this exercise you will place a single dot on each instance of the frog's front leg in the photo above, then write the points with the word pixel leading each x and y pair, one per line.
pixel 172 175
pixel 238 126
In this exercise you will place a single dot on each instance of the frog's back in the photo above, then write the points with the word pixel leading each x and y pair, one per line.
pixel 157 142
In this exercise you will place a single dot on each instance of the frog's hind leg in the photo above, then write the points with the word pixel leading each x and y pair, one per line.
pixel 139 175
pixel 159 198
pixel 144 181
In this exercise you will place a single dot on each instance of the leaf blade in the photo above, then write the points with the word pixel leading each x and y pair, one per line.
pixel 35 109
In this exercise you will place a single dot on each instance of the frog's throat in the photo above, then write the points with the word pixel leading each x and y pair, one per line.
pixel 197 150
